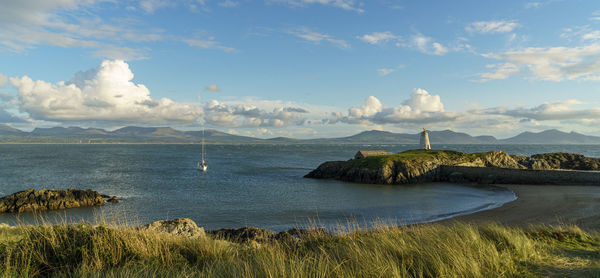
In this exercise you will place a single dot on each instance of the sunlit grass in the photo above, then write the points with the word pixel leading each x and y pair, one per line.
pixel 427 250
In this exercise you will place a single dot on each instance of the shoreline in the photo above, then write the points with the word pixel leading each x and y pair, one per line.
pixel 542 205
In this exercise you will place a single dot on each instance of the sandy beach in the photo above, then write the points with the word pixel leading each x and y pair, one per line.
pixel 545 204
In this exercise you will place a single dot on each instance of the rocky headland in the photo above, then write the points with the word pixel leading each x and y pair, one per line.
pixel 42 200
pixel 415 166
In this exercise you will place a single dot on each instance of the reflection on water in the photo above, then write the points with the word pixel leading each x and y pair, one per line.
pixel 255 185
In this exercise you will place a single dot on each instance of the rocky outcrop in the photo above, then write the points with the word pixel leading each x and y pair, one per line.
pixel 182 227
pixel 252 234
pixel 424 165
pixel 551 161
pixel 41 200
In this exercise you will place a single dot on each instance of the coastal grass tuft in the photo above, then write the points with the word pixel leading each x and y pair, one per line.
pixel 426 250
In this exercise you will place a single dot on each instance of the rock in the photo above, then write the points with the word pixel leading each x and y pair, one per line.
pixel 182 227
pixel 423 166
pixel 244 235
pixel 456 177
pixel 41 200
pixel 252 235
pixel 113 200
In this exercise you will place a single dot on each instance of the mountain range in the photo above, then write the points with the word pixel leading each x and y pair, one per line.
pixel 134 134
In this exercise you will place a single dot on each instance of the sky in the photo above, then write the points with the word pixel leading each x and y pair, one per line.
pixel 302 68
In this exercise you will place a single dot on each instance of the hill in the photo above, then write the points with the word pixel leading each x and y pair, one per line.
pixel 135 134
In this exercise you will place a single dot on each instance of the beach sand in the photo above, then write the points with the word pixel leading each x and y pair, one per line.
pixel 545 204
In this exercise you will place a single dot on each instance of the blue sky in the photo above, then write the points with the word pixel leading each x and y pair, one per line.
pixel 302 68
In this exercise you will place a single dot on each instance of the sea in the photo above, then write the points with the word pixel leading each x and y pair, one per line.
pixel 245 185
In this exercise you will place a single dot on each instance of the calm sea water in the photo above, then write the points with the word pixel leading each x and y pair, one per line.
pixel 246 185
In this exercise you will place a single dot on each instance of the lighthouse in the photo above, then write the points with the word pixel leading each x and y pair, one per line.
pixel 425 140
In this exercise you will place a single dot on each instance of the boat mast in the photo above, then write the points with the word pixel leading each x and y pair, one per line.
pixel 202 145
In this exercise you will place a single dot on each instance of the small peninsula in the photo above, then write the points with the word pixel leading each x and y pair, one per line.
pixel 414 166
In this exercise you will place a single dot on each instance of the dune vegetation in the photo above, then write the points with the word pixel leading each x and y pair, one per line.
pixel 427 250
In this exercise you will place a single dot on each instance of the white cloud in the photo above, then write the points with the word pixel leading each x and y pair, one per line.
pixel 314 37
pixel 63 23
pixel 386 71
pixel 6 117
pixel 556 111
pixel 420 108
pixel 105 94
pixel 120 53
pixel 229 4
pixel 420 100
pixel 591 36
pixel 379 37
pixel 502 71
pixel 212 88
pixel 584 33
pixel 552 63
pixel 492 27
pixel 3 80
pixel 150 6
pixel 595 16
pixel 249 115
pixel 209 43
pixel 343 4
pixel 530 5
pixel 426 45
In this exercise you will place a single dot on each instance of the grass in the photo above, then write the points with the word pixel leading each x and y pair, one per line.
pixel 428 250
pixel 375 162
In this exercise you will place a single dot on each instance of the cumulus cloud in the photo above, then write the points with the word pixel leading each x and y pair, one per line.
pixel 549 112
pixel 550 64
pixel 492 27
pixel 105 94
pixel 248 115
pixel 212 88
pixel 350 5
pixel 420 108
pixel 379 37
pixel 315 37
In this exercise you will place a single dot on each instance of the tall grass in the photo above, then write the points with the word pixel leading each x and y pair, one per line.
pixel 429 250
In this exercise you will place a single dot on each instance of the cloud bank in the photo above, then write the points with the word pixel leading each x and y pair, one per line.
pixel 105 94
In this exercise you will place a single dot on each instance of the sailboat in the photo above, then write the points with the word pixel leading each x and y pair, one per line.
pixel 202 165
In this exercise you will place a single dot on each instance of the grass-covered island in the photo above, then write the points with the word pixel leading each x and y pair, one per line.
pixel 427 250
pixel 447 165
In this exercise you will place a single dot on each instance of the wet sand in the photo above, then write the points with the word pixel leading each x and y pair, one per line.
pixel 545 204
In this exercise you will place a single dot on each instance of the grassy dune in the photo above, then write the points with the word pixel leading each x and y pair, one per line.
pixel 431 250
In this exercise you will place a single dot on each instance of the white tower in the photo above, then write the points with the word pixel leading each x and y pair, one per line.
pixel 425 140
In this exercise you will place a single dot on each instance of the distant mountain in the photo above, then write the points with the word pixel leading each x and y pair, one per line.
pixel 135 134
pixel 551 136
pixel 7 130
